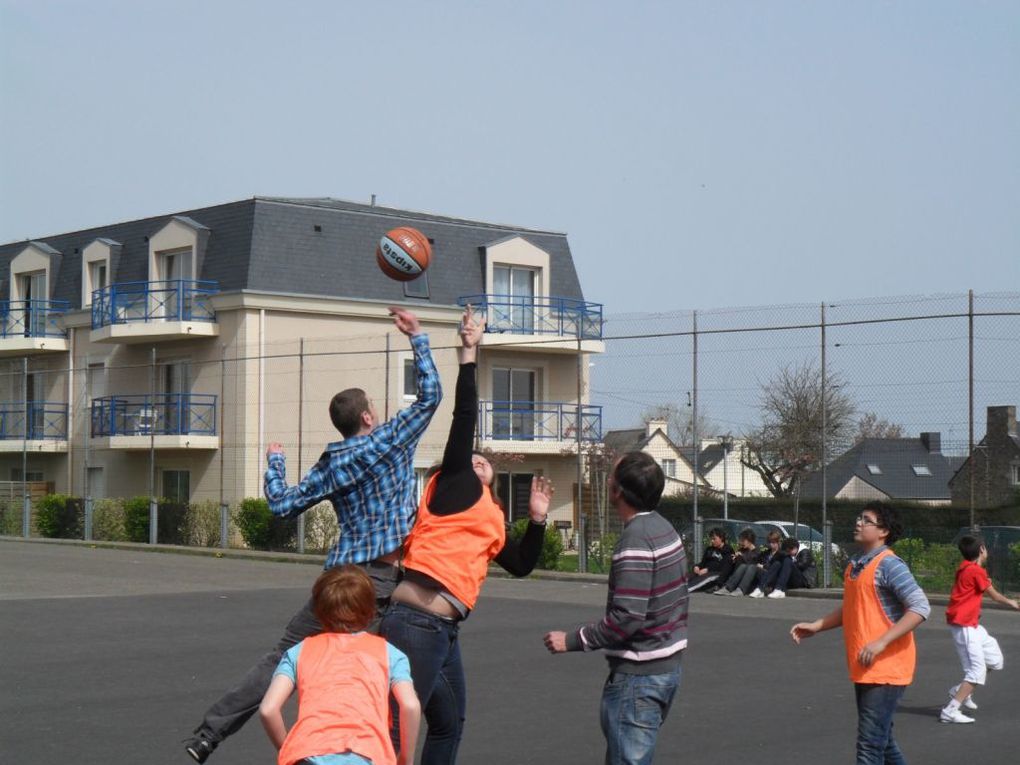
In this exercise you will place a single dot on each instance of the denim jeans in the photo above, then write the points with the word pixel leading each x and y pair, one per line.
pixel 237 705
pixel 876 705
pixel 430 643
pixel 744 577
pixel 633 709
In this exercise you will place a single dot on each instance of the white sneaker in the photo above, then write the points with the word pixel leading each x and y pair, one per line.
pixel 721 591
pixel 967 703
pixel 954 716
pixel 756 593
pixel 737 593
pixel 776 594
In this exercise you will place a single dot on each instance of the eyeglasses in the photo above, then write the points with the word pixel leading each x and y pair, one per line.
pixel 865 521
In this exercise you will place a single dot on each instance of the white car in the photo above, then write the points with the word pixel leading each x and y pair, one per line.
pixel 806 534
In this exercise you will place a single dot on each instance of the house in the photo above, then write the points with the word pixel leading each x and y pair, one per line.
pixel 909 469
pixel 994 465
pixel 160 356
pixel 721 464
pixel 654 439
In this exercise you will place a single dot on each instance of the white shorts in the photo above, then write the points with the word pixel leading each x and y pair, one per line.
pixel 978 652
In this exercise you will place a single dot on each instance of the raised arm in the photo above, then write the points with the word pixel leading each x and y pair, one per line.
pixel 408 425
pixel 519 558
pixel 290 501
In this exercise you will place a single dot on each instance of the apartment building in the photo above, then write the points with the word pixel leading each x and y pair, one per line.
pixel 160 356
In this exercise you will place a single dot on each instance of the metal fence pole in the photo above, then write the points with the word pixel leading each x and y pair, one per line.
pixel 153 504
pixel 224 507
pixel 970 399
pixel 694 425
pixel 582 521
pixel 826 551
pixel 300 431
pixel 26 501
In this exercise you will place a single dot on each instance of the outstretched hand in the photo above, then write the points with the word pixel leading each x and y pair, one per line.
pixel 541 495
pixel 471 328
pixel 803 630
pixel 405 321
pixel 275 447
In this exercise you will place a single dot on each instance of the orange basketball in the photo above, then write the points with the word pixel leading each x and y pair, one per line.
pixel 404 253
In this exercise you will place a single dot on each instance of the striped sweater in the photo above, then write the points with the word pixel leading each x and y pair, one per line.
pixel 644 630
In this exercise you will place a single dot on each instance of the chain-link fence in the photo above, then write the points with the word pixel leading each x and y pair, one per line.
pixel 780 415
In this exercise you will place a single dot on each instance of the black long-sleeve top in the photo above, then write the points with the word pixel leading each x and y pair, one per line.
pixel 458 486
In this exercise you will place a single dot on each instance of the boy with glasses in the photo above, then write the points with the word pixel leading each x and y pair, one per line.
pixel 882 606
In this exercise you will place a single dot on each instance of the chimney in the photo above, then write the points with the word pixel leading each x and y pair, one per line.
pixel 657 424
pixel 1001 421
pixel 932 442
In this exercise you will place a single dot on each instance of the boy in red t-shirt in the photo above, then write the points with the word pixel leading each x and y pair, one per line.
pixel 978 650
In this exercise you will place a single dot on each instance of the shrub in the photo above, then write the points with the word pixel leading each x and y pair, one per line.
pixel 321 528
pixel 108 520
pixel 600 553
pixel 261 530
pixel 10 518
pixel 58 516
pixel 203 524
pixel 136 519
pixel 552 544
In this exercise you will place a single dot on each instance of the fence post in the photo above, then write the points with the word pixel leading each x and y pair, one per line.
pixel 582 526
pixel 301 402
pixel 694 423
pixel 26 501
pixel 88 519
pixel 153 505
pixel 224 525
pixel 698 533
pixel 224 507
pixel 827 553
pixel 970 399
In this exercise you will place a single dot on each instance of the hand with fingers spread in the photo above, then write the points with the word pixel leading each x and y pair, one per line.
pixel 471 328
pixel 541 496
pixel 405 321
pixel 804 630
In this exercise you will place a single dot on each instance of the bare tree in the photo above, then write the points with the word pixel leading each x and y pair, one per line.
pixel 680 422
pixel 788 444
pixel 870 425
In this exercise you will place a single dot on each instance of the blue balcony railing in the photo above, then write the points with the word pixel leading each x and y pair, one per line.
pixel 45 422
pixel 32 318
pixel 165 414
pixel 563 317
pixel 178 300
pixel 538 421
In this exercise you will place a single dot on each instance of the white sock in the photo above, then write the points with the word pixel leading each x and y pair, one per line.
pixel 953 705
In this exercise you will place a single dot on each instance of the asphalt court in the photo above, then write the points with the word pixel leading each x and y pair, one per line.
pixel 111 656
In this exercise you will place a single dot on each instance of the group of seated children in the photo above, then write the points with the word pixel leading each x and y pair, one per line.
pixel 749 571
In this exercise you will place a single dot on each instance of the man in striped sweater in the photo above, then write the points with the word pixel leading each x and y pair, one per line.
pixel 644 631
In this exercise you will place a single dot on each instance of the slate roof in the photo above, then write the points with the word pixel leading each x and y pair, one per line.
pixel 270 244
pixel 621 441
pixel 895 457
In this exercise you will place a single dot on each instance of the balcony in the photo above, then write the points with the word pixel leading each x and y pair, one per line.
pixel 162 421
pixel 142 312
pixel 539 323
pixel 535 427
pixel 32 326
pixel 44 430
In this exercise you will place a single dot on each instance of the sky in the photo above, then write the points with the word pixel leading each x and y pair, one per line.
pixel 698 155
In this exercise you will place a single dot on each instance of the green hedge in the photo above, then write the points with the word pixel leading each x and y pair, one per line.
pixel 552 544
pixel 261 530
pixel 58 516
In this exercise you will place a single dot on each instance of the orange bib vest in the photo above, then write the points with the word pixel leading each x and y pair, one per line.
pixel 864 620
pixel 343 685
pixel 455 550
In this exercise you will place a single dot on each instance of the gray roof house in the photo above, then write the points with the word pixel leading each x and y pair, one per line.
pixel 912 469
pixel 995 465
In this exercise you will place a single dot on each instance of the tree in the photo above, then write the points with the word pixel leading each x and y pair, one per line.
pixel 680 422
pixel 788 444
pixel 871 426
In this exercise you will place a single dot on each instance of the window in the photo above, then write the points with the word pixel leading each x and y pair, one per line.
pixel 669 468
pixel 874 470
pixel 177 486
pixel 512 305
pixel 418 288
pixel 513 404
pixel 409 380
pixel 97 273
pixel 514 491
pixel 921 470
pixel 97 379
pixel 419 483
pixel 1016 475
pixel 31 475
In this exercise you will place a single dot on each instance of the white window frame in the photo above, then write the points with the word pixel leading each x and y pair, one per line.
pixel 402 358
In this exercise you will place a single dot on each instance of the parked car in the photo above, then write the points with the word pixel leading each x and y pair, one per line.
pixel 733 527
pixel 805 534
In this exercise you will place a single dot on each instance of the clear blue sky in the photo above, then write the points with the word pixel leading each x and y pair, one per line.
pixel 698 154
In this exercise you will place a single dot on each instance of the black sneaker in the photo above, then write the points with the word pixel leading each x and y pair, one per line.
pixel 199 748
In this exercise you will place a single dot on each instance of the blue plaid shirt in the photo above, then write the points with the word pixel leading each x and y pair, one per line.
pixel 369 479
pixel 897 590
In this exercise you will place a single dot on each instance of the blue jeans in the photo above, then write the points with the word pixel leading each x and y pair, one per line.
pixel 633 709
pixel 875 707
pixel 430 643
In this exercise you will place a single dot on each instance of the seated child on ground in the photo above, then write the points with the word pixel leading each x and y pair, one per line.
pixel 745 571
pixel 716 564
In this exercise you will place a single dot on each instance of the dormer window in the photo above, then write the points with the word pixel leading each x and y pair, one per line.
pixel 99 260
pixel 921 470
pixel 175 265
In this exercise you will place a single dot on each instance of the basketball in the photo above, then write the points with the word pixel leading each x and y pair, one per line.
pixel 404 253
